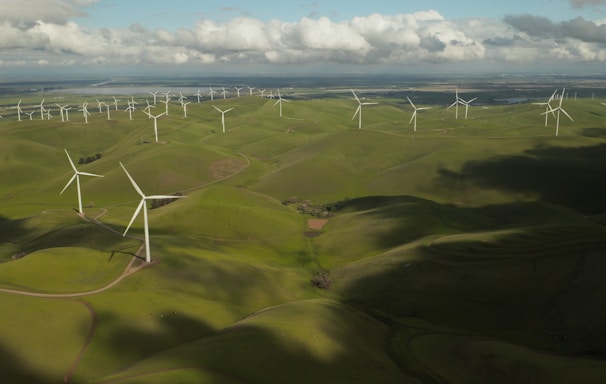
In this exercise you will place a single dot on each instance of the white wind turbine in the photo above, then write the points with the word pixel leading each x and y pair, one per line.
pixel 181 98
pixel 262 92
pixel 48 114
pixel 115 103
pixel 100 105
pixel 143 205
pixel 130 109
pixel 224 92
pixel 559 109
pixel 63 112
pixel 466 104
pixel 238 90
pixel 222 116
pixel 456 103
pixel 185 109
pixel 76 177
pixel 166 101
pixel 42 109
pixel 279 101
pixel 548 105
pixel 211 93
pixel 19 110
pixel 107 108
pixel 198 95
pixel 359 109
pixel 250 89
pixel 156 122
pixel 85 111
pixel 414 114
pixel 155 95
pixel 30 114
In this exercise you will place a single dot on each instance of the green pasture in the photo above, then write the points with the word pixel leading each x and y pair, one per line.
pixel 468 251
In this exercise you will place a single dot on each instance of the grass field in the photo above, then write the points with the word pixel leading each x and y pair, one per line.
pixel 469 251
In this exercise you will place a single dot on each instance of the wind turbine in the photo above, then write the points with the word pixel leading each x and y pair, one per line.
pixel 211 93
pixel 63 111
pixel 76 176
pixel 185 109
pixel 238 90
pixel 280 99
pixel 166 104
pixel 42 109
pixel 19 110
pixel 155 122
pixel 224 92
pixel 181 98
pixel 30 114
pixel 100 104
pixel 130 109
pixel 558 109
pixel 222 116
pixel 466 104
pixel 143 205
pixel 250 89
pixel 456 103
pixel 359 109
pixel 167 99
pixel 548 105
pixel 155 95
pixel 107 108
pixel 116 102
pixel 85 111
pixel 262 92
pixel 48 114
pixel 198 94
pixel 414 114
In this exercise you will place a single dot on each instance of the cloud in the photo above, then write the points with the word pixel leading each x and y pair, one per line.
pixel 586 3
pixel 578 28
pixel 20 12
pixel 418 38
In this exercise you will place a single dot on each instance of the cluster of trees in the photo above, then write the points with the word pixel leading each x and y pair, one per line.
pixel 162 202
pixel 307 207
pixel 89 159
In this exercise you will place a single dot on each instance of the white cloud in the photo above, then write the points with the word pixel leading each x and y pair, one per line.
pixel 405 39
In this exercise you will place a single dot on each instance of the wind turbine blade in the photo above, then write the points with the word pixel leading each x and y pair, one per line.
pixel 356 96
pixel 453 104
pixel 89 174
pixel 217 109
pixel 141 204
pixel 163 197
pixel 68 183
pixel 357 110
pixel 139 191
pixel 228 110
pixel 413 116
pixel 567 115
pixel 472 100
pixel 411 103
pixel 70 161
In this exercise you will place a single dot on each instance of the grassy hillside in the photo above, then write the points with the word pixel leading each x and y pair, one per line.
pixel 469 251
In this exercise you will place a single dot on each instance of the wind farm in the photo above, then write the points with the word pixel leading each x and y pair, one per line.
pixel 308 246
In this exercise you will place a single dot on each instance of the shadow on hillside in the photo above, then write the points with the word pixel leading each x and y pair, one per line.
pixel 570 177
pixel 14 370
pixel 541 287
pixel 10 231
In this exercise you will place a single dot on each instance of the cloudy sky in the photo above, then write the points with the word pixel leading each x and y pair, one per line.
pixel 243 36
